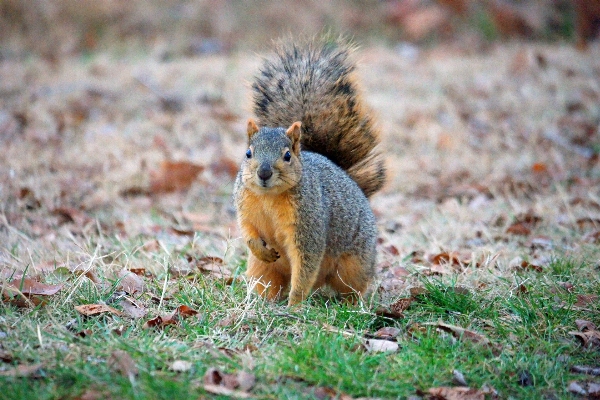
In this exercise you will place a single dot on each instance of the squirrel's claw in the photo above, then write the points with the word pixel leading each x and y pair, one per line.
pixel 258 247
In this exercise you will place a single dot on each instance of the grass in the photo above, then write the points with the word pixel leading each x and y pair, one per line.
pixel 291 352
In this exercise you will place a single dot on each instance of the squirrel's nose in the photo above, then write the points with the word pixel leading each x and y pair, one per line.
pixel 265 172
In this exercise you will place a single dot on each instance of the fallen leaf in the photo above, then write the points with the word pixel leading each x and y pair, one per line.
pixel 130 282
pixel 95 309
pixel 222 390
pixel 180 366
pixel 527 265
pixel 585 369
pixel 180 312
pixel 417 291
pixel 225 166
pixel 138 271
pixel 29 286
pixel 132 309
pixel 381 346
pixel 588 334
pixel 387 333
pixel 400 305
pixel 584 325
pixel 214 266
pixel 174 176
pixel 399 272
pixel 592 237
pixel 446 258
pixel 69 215
pixel 327 393
pixel 589 389
pixel 91 394
pixel 24 371
pixel 122 362
pixel 236 385
pixel 508 19
pixel 462 333
pixel 456 393
pixel 5 356
pixel 391 249
pixel 459 378
pixel 84 333
pixel 586 299
pixel 584 223
pixel 423 21
pixel 519 228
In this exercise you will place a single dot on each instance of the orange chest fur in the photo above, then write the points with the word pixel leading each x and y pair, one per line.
pixel 273 216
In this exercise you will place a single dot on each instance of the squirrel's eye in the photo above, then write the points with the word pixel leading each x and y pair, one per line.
pixel 287 156
pixel 248 153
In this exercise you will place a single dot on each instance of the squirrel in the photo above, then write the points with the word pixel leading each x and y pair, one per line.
pixel 301 194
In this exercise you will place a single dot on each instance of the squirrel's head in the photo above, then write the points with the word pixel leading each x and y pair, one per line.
pixel 272 162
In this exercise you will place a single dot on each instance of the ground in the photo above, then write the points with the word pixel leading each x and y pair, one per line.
pixel 490 221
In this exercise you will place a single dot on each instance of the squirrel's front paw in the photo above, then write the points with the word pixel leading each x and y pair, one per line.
pixel 258 247
pixel 268 255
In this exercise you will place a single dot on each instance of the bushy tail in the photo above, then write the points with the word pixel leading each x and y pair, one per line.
pixel 314 83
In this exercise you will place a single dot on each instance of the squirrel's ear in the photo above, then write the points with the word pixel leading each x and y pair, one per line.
pixel 293 133
pixel 252 128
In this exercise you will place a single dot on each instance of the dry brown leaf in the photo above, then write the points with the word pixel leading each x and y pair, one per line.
pixel 585 223
pixel 456 393
pixel 400 305
pixel 132 310
pixel 69 215
pixel 5 356
pixel 519 228
pixel 180 312
pixel 327 393
pixel 508 20
pixel 584 325
pixel 446 258
pixel 588 334
pixel 214 267
pixel 174 176
pixel 417 291
pixel 392 250
pixel 91 394
pixel 122 362
pixel 130 282
pixel 138 271
pixel 586 299
pixel 95 309
pixel 527 265
pixel 592 237
pixel 236 385
pixel 587 15
pixel 225 166
pixel 23 371
pixel 387 333
pixel 185 311
pixel 462 333
pixel 223 391
pixel 399 272
pixel 29 286
pixel 424 21
pixel 84 333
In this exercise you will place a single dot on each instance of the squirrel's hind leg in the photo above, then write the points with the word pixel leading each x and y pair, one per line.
pixel 350 277
pixel 271 283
